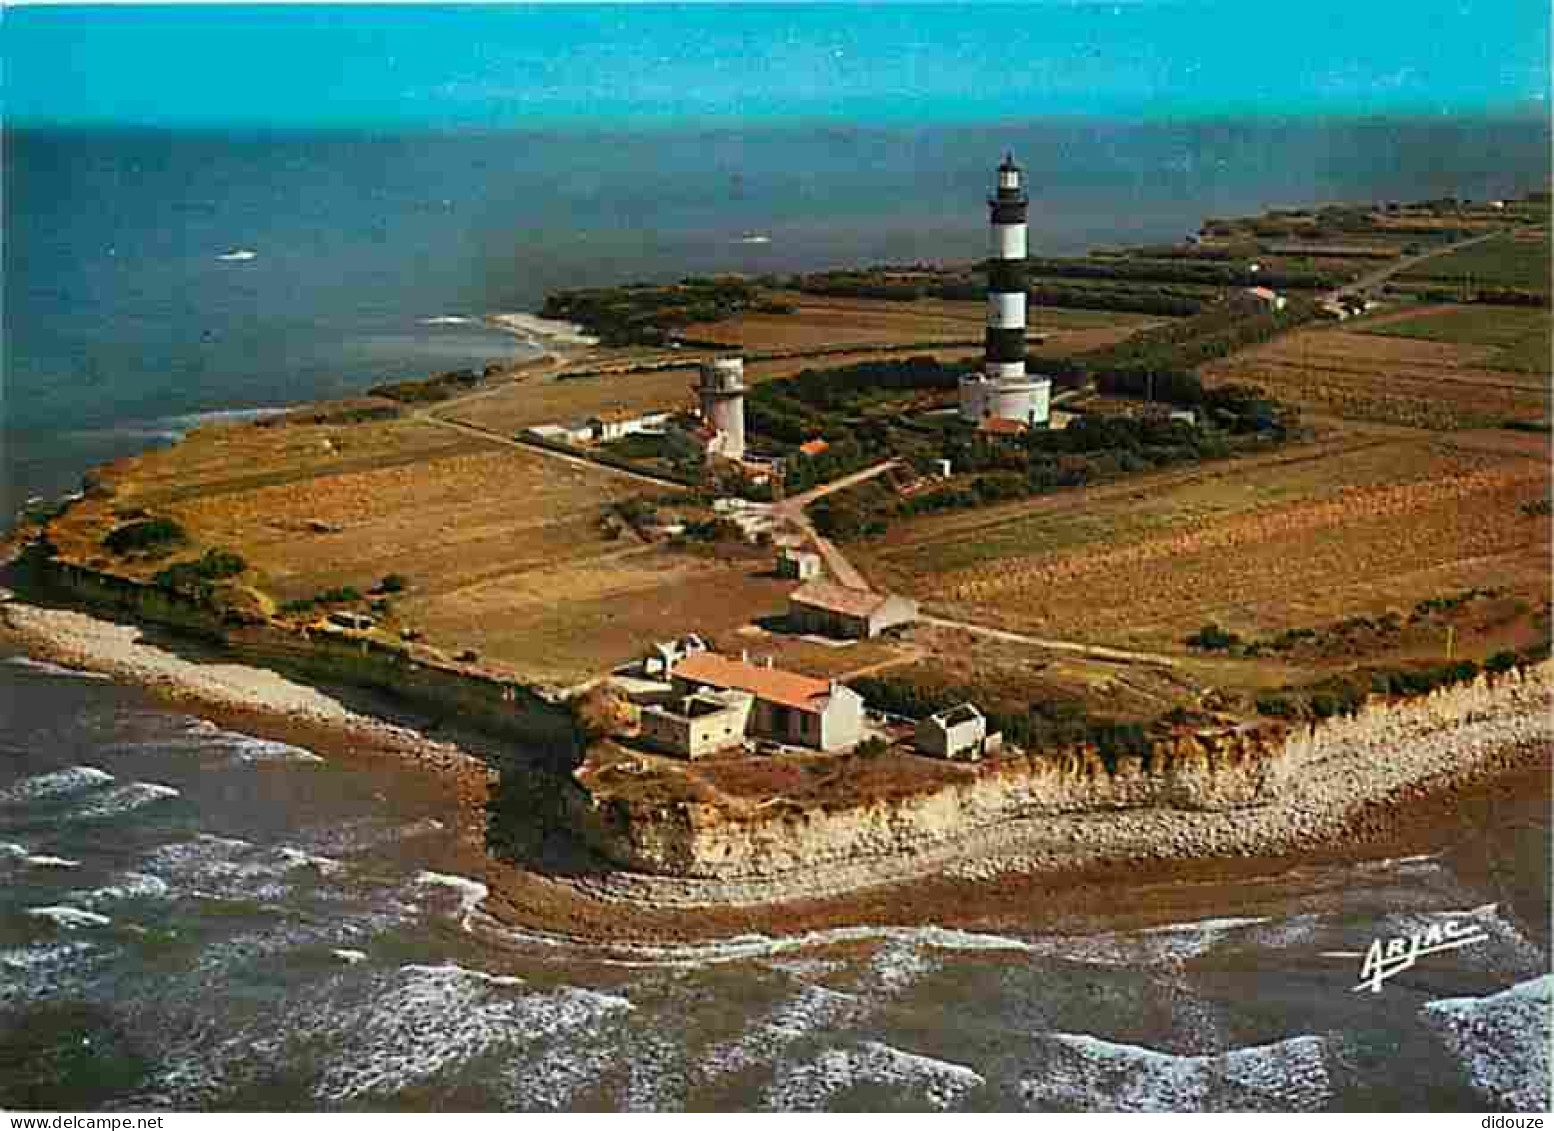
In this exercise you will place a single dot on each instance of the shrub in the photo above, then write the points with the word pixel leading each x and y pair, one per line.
pixel 393 583
pixel 1212 638
pixel 1500 662
pixel 151 536
pixel 1275 706
pixel 340 595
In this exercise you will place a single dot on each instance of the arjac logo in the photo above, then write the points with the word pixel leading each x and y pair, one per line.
pixel 1387 958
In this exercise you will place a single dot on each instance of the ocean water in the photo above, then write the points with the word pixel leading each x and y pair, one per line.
pixel 187 236
pixel 191 917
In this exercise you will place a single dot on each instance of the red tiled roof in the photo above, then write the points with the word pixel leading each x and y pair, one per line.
pixel 771 684
pixel 1001 426
pixel 814 447
pixel 837 598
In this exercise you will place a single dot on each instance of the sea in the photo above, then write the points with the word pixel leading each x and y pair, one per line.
pixel 211 213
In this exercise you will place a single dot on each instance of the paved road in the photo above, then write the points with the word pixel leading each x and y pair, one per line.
pixel 800 501
pixel 1382 274
pixel 512 442
pixel 792 510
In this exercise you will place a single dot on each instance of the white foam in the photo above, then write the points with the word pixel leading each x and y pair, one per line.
pixel 134 885
pixel 1086 1073
pixel 126 799
pixel 1502 1041
pixel 45 668
pixel 471 892
pixel 50 862
pixel 296 858
pixel 754 239
pixel 1214 926
pixel 890 971
pixel 70 917
pixel 44 956
pixel 425 1021
pixel 238 255
pixel 807 1088
pixel 454 970
pixel 59 783
pixel 247 747
pixel 349 957
pixel 449 320
pixel 13 850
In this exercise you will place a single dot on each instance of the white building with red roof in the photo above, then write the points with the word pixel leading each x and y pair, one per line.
pixel 788 707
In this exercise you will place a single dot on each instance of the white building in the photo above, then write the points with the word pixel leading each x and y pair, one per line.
pixel 788 708
pixel 1003 390
pixel 958 734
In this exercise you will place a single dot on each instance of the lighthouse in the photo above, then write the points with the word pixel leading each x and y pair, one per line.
pixel 722 397
pixel 1003 390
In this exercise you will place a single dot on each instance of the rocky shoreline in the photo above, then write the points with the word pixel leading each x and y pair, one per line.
pixel 1453 740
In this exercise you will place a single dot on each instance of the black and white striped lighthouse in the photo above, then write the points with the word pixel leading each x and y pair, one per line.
pixel 1002 391
pixel 1005 345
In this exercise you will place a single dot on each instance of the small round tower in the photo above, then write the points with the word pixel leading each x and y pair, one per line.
pixel 722 396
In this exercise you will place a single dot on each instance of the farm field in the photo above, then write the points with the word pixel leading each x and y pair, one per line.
pixel 1515 259
pixel 573 617
pixel 1363 522
pixel 501 548
pixel 1521 338
pixel 826 322
pixel 1361 373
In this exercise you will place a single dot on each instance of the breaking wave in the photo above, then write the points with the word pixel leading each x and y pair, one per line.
pixel 125 799
pixel 1501 1040
pixel 69 917
pixel 43 667
pixel 808 1087
pixel 428 1020
pixel 1086 1073
pixel 58 783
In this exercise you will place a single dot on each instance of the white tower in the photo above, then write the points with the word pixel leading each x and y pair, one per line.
pixel 1002 389
pixel 722 396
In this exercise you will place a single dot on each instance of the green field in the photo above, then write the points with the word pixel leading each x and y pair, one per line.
pixel 1501 262
pixel 1522 337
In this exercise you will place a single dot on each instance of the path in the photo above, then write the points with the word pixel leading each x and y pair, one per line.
pixel 650 479
pixel 1382 274
pixel 792 510
pixel 1090 651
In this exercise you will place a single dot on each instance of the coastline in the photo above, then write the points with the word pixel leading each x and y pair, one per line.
pixel 1043 866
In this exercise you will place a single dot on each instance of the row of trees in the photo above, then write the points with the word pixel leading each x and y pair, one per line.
pixel 644 314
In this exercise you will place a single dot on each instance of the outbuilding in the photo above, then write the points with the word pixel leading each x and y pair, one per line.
pixel 958 734
pixel 829 609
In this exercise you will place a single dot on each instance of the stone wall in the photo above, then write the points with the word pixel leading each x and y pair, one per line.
pixel 533 715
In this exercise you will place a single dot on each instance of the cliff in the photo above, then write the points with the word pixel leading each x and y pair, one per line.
pixel 1247 790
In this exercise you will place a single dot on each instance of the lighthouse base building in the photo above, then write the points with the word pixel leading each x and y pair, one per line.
pixel 1027 400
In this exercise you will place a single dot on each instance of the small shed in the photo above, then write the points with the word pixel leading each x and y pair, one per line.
pixel 801 565
pixel 958 734
pixel 850 614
